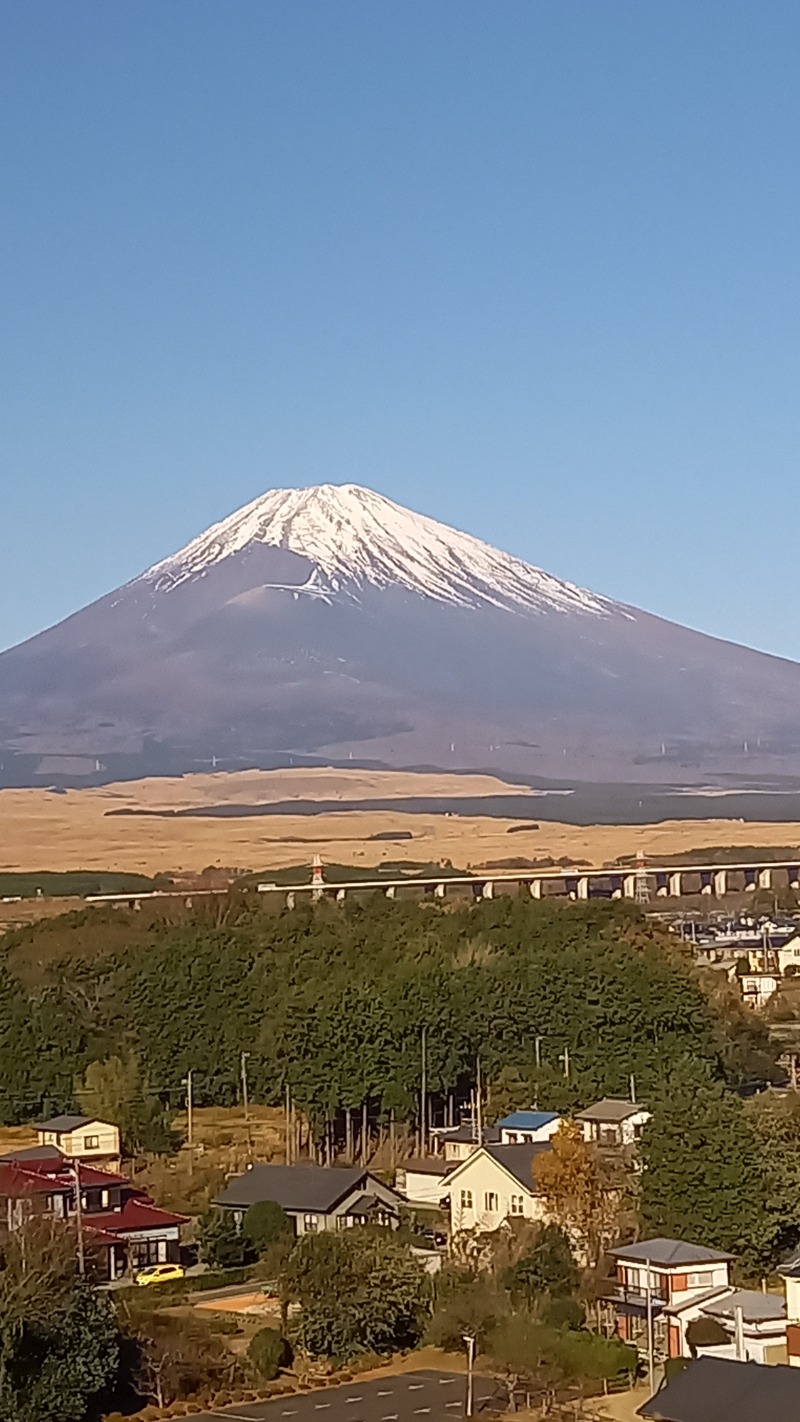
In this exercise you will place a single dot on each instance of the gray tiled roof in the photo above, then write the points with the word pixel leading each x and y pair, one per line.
pixel 610 1109
pixel 518 1159
pixel 756 1307
pixel 315 1188
pixel 722 1390
pixel 62 1124
pixel 669 1253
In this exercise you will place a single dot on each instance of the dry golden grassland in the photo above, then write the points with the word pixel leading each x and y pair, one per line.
pixel 40 830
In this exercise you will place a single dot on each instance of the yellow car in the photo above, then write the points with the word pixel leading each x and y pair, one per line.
pixel 160 1273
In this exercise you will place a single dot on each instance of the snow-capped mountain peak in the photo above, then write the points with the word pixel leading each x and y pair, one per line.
pixel 355 537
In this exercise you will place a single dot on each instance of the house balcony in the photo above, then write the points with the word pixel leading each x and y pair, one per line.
pixel 632 1302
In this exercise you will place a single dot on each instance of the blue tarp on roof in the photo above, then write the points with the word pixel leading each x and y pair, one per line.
pixel 527 1120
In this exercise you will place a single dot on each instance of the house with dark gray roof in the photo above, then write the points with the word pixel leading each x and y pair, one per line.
pixel 613 1122
pixel 671 1279
pixel 494 1183
pixel 315 1197
pixel 722 1390
pixel 83 1138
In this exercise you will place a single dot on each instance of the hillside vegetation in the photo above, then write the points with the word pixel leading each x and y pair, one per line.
pixel 331 1001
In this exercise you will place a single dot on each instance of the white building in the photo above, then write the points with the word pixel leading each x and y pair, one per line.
pixel 528 1127
pixel 494 1184
pixel 612 1122
pixel 420 1180
pixel 758 988
pixel 789 955
pixel 83 1138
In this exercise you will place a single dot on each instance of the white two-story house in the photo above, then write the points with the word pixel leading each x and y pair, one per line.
pixel 83 1138
pixel 495 1183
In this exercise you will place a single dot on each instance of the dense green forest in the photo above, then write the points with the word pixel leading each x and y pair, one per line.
pixel 331 1000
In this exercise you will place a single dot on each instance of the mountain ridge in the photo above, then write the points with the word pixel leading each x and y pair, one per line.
pixel 330 623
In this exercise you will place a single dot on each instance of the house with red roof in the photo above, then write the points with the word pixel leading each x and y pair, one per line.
pixel 123 1229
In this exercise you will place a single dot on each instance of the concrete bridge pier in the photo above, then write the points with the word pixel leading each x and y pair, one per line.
pixel 629 886
pixel 582 888
pixel 487 892
pixel 290 899
pixel 765 878
pixel 390 891
pixel 535 887
pixel 341 895
pixel 675 885
pixel 720 883
pixel 439 891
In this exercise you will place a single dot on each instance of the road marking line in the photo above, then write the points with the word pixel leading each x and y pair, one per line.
pixel 318 1406
pixel 452 1404
pixel 415 1387
pixel 390 1417
pixel 446 1382
pixel 418 1411
pixel 289 1412
pixel 387 1392
pixel 355 1399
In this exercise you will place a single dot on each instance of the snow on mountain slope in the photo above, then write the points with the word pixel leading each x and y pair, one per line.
pixel 356 537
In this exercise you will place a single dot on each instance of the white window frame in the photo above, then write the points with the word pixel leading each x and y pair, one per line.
pixel 466 1199
pixel 491 1202
pixel 517 1205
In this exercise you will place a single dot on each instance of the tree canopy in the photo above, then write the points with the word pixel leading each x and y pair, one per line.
pixel 330 1000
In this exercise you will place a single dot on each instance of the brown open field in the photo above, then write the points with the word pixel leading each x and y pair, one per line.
pixel 42 830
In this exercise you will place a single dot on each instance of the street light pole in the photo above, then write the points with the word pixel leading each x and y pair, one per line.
pixel 79 1218
pixel 469 1339
pixel 244 1057
pixel 189 1110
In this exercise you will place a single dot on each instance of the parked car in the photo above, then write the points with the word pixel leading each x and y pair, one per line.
pixel 159 1274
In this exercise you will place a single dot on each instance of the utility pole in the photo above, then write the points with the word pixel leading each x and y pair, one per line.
pixel 648 1295
pixel 423 1098
pixel 470 1342
pixel 633 1089
pixel 189 1110
pixel 244 1057
pixel 565 1059
pixel 79 1218
pixel 479 1119
pixel 288 1125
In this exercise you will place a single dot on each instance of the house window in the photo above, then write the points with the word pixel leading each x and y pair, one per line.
pixel 517 1205
pixel 91 1142
pixel 698 1281
pixel 490 1202
pixel 310 1223
pixel 466 1199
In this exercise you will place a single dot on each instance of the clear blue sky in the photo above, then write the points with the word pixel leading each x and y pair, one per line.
pixel 532 268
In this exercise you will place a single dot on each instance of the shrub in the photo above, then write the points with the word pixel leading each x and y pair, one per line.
pixel 266 1224
pixel 268 1352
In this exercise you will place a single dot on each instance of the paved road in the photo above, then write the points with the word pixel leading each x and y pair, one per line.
pixel 406 1397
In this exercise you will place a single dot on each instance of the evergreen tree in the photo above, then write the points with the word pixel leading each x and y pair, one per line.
pixel 702 1177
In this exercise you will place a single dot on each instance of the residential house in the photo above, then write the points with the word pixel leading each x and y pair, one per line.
pixel 612 1122
pixel 495 1183
pixel 755 1323
pixel 788 955
pixel 315 1197
pixel 671 1277
pixel 719 1390
pixel 458 1142
pixel 419 1180
pixel 83 1138
pixel 758 988
pixel 790 1273
pixel 122 1228
pixel 528 1127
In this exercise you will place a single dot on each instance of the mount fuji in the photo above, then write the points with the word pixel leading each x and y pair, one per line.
pixel 329 625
